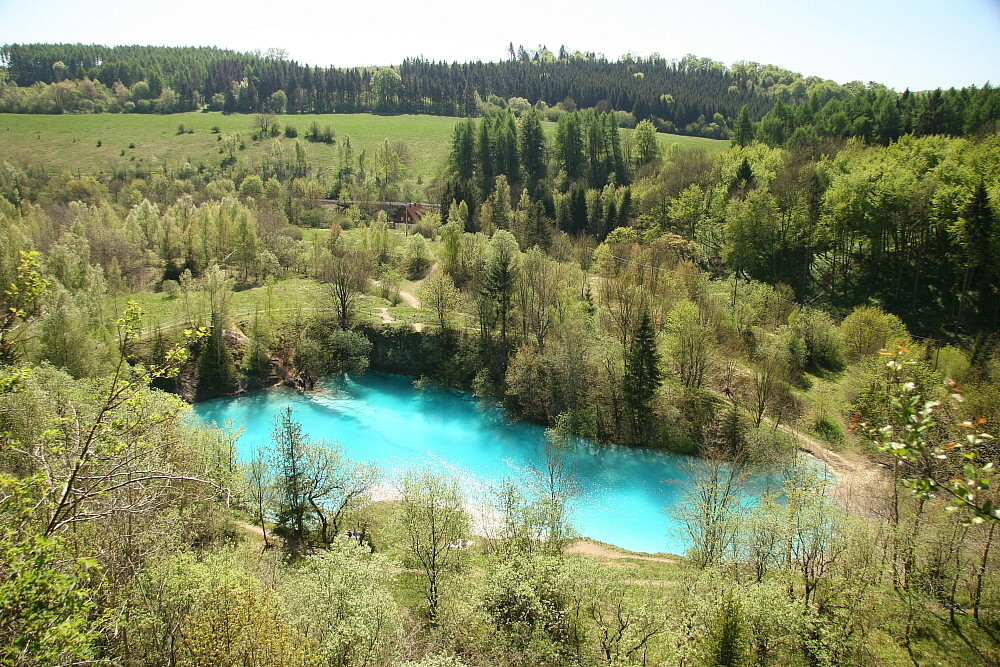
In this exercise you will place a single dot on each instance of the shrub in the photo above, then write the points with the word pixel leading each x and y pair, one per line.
pixel 171 288
pixel 953 363
pixel 823 341
pixel 425 229
pixel 869 329
pixel 829 430
pixel 417 259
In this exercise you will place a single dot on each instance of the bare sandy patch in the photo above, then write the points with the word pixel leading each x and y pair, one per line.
pixel 585 547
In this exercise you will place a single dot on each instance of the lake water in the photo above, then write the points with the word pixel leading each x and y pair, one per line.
pixel 627 493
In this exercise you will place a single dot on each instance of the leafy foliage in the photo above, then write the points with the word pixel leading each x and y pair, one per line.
pixel 929 467
pixel 343 599
pixel 21 302
pixel 46 607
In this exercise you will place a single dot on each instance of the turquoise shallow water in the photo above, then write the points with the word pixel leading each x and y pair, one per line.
pixel 627 493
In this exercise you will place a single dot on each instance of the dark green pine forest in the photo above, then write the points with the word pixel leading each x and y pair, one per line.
pixel 826 280
pixel 696 96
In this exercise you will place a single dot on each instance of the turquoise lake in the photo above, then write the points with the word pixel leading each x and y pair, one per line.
pixel 627 493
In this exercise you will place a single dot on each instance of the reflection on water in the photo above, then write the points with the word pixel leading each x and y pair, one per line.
pixel 627 493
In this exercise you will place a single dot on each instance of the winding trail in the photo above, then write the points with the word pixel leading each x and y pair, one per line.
pixel 409 298
pixel 861 485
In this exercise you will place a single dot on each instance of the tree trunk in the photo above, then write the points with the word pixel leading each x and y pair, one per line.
pixel 981 574
pixel 263 528
pixel 323 523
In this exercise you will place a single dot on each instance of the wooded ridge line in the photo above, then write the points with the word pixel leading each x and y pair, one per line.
pixel 691 95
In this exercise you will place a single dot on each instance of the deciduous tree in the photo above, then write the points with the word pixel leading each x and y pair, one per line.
pixel 433 518
pixel 711 512
pixel 645 145
pixel 345 275
pixel 440 294
pixel 20 302
pixel 342 599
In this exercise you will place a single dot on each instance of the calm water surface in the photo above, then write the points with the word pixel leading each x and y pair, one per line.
pixel 627 493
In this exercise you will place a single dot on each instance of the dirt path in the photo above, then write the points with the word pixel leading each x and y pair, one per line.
pixel 387 317
pixel 408 297
pixel 411 300
pixel 861 484
pixel 269 542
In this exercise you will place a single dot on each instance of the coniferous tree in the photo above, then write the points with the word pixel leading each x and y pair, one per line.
pixel 257 363
pixel 531 142
pixel 485 163
pixel 705 96
pixel 743 132
pixel 725 642
pixel 289 460
pixel 500 277
pixel 217 375
pixel 977 237
pixel 500 204
pixel 642 374
pixel 570 146
pixel 505 147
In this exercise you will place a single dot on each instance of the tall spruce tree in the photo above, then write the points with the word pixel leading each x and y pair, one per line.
pixel 500 278
pixel 217 373
pixel 642 374
pixel 976 237
pixel 531 143
pixel 570 146
pixel 289 461
pixel 743 132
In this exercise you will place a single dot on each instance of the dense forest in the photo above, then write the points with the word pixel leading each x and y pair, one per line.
pixel 910 225
pixel 692 95
pixel 813 287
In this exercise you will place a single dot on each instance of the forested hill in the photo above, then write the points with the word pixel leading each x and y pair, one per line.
pixel 696 96
pixel 676 91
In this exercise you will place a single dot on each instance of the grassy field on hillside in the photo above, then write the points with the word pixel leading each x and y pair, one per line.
pixel 710 146
pixel 70 142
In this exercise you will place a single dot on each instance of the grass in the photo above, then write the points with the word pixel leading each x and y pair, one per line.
pixel 710 146
pixel 70 142
pixel 822 395
pixel 279 301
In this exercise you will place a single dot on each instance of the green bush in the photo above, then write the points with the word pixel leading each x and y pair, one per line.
pixel 829 430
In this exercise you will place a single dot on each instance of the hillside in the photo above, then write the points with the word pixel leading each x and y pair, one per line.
pixel 70 142
pixel 247 82
pixel 790 289
pixel 692 96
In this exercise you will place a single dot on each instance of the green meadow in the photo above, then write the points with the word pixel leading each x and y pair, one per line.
pixel 105 142
pixel 108 142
